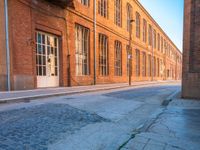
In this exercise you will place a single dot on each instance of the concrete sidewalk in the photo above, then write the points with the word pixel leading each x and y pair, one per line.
pixel 25 95
pixel 176 128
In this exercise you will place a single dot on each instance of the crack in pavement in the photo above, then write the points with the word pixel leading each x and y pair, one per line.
pixel 149 123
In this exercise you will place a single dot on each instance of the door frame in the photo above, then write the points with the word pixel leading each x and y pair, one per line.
pixel 58 56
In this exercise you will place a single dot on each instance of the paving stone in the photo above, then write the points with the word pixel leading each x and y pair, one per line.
pixel 36 127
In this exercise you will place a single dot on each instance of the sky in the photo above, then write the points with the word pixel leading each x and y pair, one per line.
pixel 169 15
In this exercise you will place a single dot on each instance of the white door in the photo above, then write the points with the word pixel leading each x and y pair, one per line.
pixel 47 60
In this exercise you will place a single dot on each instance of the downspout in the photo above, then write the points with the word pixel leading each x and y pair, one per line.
pixel 152 78
pixel 94 41
pixel 7 44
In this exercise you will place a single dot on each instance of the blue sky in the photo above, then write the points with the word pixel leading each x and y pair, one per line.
pixel 169 15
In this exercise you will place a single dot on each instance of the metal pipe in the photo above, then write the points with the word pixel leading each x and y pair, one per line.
pixel 7 44
pixel 94 42
pixel 152 78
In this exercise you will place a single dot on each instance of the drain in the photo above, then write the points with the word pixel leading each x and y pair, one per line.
pixel 166 102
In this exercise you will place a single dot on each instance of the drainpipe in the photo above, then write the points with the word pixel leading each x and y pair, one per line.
pixel 7 44
pixel 152 78
pixel 94 42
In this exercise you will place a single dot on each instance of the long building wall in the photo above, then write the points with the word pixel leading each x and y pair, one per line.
pixel 83 15
pixel 27 18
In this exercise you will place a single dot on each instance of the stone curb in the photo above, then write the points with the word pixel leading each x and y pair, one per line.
pixel 42 96
pixel 170 98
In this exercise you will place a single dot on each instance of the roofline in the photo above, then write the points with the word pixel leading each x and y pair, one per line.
pixel 152 19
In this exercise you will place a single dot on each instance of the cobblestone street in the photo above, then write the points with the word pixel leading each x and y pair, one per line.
pixel 37 127
pixel 132 118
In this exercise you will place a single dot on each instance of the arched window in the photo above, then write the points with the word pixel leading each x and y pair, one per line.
pixel 154 38
pixel 137 63
pixel 158 41
pixel 144 30
pixel 129 16
pixel 149 65
pixel 158 67
pixel 162 44
pixel 82 50
pixel 84 2
pixel 118 58
pixel 137 25
pixel 150 35
pixel 103 8
pixel 154 66
pixel 144 64
pixel 118 12
pixel 103 54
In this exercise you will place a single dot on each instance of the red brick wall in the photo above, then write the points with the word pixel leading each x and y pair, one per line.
pixel 84 16
pixel 28 16
pixel 191 55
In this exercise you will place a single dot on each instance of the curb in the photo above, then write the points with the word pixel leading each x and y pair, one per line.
pixel 170 98
pixel 42 96
pixel 28 98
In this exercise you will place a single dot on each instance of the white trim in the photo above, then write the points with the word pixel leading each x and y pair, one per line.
pixel 42 78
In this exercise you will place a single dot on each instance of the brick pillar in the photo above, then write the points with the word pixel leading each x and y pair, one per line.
pixel 191 50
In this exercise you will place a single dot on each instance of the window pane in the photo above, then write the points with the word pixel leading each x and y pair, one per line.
pixel 82 50
pixel 118 56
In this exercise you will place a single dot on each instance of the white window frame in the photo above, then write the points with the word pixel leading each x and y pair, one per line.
pixel 118 58
pixel 129 10
pixel 138 25
pixel 103 55
pixel 84 2
pixel 137 63
pixel 103 8
pixel 118 13
pixel 82 44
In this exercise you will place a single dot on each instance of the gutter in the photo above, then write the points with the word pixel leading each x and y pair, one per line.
pixel 94 41
pixel 7 45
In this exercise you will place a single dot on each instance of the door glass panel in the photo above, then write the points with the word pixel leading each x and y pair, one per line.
pixel 40 71
pixel 39 49
pixel 56 71
pixel 48 40
pixel 55 42
pixel 44 70
pixel 39 38
pixel 43 39
pixel 44 60
pixel 44 49
pixel 46 55
pixel 55 51
pixel 48 50
pixel 52 50
pixel 55 61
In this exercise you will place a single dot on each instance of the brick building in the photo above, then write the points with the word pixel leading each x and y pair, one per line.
pixel 191 50
pixel 69 42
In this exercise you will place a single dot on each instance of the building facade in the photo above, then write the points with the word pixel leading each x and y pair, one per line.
pixel 85 42
pixel 191 50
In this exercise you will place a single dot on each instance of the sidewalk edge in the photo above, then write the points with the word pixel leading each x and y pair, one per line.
pixel 42 96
